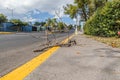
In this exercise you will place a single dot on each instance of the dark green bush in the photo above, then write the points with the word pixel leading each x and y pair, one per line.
pixel 105 21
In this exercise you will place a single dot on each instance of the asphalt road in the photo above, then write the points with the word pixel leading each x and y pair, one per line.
pixel 18 40
pixel 17 49
pixel 88 60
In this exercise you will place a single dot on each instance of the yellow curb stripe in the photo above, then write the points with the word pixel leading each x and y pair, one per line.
pixel 6 32
pixel 21 72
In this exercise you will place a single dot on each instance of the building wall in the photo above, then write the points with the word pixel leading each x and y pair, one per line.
pixel 27 28
pixel 10 27
pixel 7 26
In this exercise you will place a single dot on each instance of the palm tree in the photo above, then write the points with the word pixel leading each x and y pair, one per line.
pixel 52 23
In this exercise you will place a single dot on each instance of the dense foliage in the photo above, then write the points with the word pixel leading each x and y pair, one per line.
pixel 3 18
pixel 19 24
pixel 83 8
pixel 105 21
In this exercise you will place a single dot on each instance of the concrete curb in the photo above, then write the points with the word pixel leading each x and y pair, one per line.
pixel 6 32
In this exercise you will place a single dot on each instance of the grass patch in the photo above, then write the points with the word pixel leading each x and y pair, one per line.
pixel 111 41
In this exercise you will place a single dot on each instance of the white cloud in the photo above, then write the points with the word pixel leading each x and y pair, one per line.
pixel 22 6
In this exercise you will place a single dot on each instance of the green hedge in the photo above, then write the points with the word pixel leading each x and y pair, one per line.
pixel 105 21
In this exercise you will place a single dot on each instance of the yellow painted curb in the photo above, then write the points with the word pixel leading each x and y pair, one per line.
pixel 21 72
pixel 6 32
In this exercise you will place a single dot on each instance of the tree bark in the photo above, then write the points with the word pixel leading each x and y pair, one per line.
pixel 84 14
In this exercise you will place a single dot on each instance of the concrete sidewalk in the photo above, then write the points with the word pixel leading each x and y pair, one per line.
pixel 88 60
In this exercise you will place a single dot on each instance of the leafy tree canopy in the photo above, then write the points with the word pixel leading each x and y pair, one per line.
pixel 3 18
pixel 106 21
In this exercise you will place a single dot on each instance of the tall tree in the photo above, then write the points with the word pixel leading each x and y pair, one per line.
pixel 18 23
pixel 42 23
pixel 83 8
pixel 54 23
pixel 61 26
pixel 37 23
pixel 25 23
pixel 51 22
pixel 99 3
pixel 71 10
pixel 3 18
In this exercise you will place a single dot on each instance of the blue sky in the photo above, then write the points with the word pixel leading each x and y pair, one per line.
pixel 34 10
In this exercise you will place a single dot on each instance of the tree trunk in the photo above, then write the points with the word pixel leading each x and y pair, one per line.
pixel 84 14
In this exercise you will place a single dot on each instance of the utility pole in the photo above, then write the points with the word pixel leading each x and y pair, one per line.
pixel 77 24
pixel 76 28
pixel 12 10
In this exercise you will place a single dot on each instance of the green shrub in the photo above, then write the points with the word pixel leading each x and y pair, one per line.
pixel 105 21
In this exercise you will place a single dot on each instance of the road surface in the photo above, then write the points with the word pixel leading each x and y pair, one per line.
pixel 8 42
pixel 88 60
pixel 17 49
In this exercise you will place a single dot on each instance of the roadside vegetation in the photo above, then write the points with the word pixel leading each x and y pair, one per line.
pixel 3 18
pixel 111 41
pixel 105 22
pixel 52 23
pixel 83 9
pixel 17 22
pixel 102 19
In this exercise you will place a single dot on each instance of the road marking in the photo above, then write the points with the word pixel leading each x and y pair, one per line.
pixel 21 72
pixel 6 32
